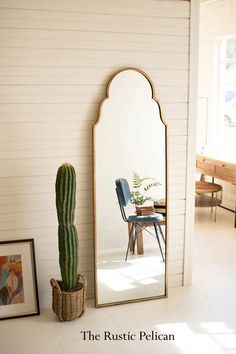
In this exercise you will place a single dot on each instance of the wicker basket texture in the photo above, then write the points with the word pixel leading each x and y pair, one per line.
pixel 68 305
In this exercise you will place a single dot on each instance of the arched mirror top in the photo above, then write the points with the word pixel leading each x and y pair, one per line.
pixel 130 86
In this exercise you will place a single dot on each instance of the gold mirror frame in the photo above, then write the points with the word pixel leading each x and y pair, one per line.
pixel 97 304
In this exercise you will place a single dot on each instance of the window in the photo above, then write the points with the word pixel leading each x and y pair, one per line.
pixel 226 95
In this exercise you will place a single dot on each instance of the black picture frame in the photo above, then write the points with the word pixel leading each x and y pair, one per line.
pixel 18 279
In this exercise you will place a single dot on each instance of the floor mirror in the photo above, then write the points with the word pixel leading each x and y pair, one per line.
pixel 130 192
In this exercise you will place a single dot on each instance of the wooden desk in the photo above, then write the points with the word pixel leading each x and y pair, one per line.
pixel 220 169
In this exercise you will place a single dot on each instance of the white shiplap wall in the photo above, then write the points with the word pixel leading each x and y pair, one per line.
pixel 56 58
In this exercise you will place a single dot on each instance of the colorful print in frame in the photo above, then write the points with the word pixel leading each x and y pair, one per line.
pixel 18 282
pixel 11 280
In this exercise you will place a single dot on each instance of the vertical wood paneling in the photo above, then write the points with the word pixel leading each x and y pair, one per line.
pixel 56 58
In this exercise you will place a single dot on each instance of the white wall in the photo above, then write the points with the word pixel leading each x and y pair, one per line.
pixel 56 58
pixel 217 19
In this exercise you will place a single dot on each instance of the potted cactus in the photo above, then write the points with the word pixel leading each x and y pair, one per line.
pixel 69 293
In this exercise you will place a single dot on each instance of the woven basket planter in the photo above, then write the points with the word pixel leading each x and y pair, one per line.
pixel 69 305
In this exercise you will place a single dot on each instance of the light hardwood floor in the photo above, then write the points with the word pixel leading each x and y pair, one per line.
pixel 202 317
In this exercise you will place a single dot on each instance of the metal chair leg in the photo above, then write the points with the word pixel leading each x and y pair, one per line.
pixel 216 206
pixel 158 240
pixel 161 232
pixel 212 196
pixel 212 202
pixel 130 238
pixel 135 237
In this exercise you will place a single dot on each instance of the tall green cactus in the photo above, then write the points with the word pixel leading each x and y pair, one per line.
pixel 67 233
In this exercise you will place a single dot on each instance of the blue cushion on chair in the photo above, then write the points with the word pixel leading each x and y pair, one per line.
pixel 123 191
pixel 146 218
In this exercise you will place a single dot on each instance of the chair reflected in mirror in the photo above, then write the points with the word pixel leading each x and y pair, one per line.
pixel 138 222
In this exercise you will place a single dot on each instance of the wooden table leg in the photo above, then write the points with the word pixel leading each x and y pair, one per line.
pixel 131 247
pixel 140 239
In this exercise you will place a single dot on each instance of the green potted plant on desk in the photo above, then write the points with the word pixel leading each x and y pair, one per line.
pixel 140 196
pixel 68 294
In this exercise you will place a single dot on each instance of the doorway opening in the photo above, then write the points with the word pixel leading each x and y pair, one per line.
pixel 215 238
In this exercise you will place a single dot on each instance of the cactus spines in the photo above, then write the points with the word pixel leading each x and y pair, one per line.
pixel 67 233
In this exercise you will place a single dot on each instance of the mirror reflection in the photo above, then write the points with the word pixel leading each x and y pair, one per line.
pixel 129 192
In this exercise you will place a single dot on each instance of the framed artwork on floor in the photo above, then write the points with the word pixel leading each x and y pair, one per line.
pixel 18 280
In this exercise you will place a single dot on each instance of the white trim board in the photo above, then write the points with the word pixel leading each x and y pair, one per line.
pixel 191 144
